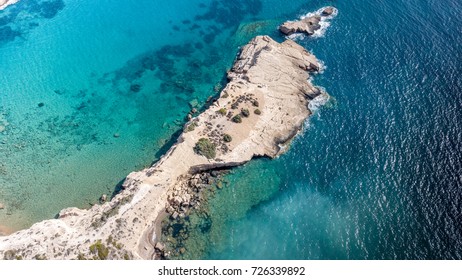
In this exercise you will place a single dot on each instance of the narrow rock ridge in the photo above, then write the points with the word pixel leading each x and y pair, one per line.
pixel 261 109
pixel 308 24
pixel 6 3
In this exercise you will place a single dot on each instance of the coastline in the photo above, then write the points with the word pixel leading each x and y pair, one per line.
pixel 6 3
pixel 267 77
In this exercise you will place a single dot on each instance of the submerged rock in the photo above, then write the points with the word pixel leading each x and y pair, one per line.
pixel 135 87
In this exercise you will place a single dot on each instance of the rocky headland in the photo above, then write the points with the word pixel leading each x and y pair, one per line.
pixel 263 106
pixel 308 24
pixel 6 3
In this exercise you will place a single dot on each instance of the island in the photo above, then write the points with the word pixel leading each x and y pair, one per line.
pixel 308 24
pixel 263 106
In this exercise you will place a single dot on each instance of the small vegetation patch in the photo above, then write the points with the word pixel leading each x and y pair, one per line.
pixel 245 112
pixel 257 112
pixel 12 255
pixel 191 127
pixel 222 111
pixel 237 119
pixel 100 250
pixel 227 138
pixel 206 148
pixel 40 257
pixel 255 103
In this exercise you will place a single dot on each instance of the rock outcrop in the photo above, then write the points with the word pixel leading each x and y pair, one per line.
pixel 328 11
pixel 269 76
pixel 307 25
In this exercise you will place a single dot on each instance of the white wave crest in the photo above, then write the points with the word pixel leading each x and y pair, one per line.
pixel 322 66
pixel 319 100
pixel 324 23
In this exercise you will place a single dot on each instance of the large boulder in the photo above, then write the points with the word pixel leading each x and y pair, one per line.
pixel 306 25
pixel 328 11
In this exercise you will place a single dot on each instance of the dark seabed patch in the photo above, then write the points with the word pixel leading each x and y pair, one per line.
pixel 20 18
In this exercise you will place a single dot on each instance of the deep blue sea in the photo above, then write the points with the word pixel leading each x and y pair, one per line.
pixel 91 90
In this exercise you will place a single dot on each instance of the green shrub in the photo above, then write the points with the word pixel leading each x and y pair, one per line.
pixel 255 103
pixel 9 255
pixel 99 249
pixel 257 112
pixel 40 257
pixel 205 148
pixel 191 127
pixel 237 119
pixel 245 112
pixel 222 111
pixel 227 138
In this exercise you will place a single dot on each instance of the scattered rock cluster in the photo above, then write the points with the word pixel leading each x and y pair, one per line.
pixel 187 196
pixel 307 25
pixel 182 200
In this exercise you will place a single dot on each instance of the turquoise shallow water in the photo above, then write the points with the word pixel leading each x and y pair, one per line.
pixel 374 175
pixel 74 74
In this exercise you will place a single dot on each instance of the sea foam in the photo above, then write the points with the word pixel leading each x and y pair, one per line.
pixel 325 23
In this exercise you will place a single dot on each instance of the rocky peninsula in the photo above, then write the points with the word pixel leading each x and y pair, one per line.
pixel 6 3
pixel 308 24
pixel 263 106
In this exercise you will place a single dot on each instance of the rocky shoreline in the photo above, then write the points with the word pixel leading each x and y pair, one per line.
pixel 307 25
pixel 6 3
pixel 186 199
pixel 261 109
